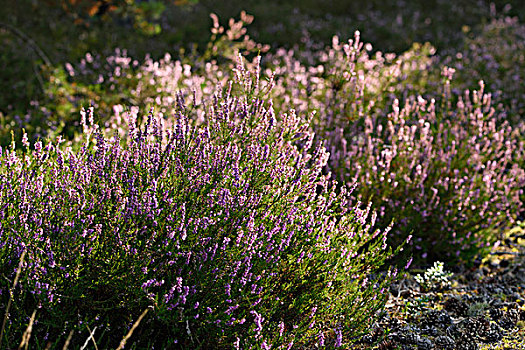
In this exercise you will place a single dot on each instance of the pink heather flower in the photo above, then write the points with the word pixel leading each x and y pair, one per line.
pixel 83 116
pixel 339 338
pixel 91 112
pixel 408 263
pixel 236 343
pixel 258 321
pixel 25 142
pixel 281 328
pixel 312 313
pixel 321 339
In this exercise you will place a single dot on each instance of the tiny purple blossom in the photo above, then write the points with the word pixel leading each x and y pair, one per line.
pixel 408 263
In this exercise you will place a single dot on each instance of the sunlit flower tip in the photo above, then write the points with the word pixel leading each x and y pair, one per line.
pixel 281 328
pixel 408 263
pixel 25 141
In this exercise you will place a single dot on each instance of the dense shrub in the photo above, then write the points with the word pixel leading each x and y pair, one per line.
pixel 351 89
pixel 229 231
pixel 65 30
pixel 332 81
pixel 449 172
pixel 314 78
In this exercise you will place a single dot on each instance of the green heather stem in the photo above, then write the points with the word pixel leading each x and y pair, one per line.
pixel 6 315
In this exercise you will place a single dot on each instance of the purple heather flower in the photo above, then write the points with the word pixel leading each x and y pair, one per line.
pixel 321 339
pixel 338 338
pixel 281 328
pixel 408 263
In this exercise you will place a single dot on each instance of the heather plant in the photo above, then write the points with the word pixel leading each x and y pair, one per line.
pixel 64 33
pixel 345 81
pixel 227 230
pixel 450 171
pixel 314 78
pixel 342 82
pixel 354 93
pixel 351 90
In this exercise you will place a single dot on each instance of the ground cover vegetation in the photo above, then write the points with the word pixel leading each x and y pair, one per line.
pixel 253 192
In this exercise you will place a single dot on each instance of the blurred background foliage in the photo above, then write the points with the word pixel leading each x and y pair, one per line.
pixel 39 37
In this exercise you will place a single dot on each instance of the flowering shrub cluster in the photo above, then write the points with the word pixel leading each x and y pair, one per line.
pixel 344 83
pixel 232 215
pixel 449 174
pixel 228 229
pixel 316 78
pixel 446 168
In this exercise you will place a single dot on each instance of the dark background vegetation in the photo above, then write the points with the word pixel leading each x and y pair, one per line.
pixel 37 35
